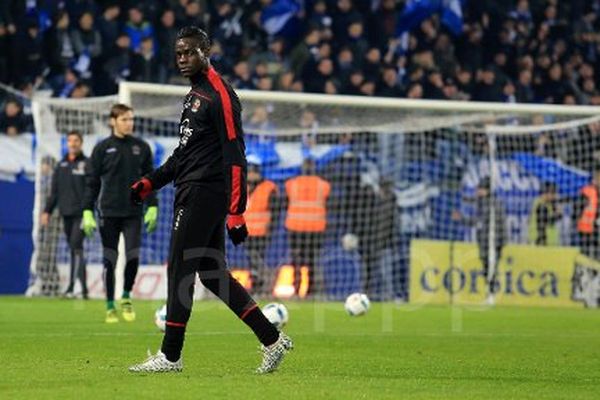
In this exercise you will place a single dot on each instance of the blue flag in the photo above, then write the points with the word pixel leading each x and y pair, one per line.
pixel 276 16
pixel 452 16
pixel 417 11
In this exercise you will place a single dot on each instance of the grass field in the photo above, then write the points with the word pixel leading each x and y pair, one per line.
pixel 61 349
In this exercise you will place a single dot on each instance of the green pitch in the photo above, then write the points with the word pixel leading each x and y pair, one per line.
pixel 61 349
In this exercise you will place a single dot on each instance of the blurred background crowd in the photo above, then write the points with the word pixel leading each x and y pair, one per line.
pixel 542 51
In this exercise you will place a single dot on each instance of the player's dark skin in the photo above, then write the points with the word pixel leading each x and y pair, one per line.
pixel 191 59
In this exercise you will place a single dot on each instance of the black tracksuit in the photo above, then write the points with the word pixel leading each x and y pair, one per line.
pixel 68 186
pixel 209 171
pixel 115 164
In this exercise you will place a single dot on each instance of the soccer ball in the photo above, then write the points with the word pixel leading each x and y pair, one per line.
pixel 357 304
pixel 160 318
pixel 277 314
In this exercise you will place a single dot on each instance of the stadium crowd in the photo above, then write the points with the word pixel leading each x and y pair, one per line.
pixel 509 51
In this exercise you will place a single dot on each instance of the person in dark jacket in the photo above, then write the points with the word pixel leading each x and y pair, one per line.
pixel 68 185
pixel 208 168
pixel 490 230
pixel 116 163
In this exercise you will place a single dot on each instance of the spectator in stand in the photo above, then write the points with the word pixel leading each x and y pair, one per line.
pixel 356 38
pixel 488 88
pixel 547 49
pixel 137 28
pixel 108 25
pixel 389 85
pixel 12 119
pixel 242 78
pixel 434 86
pixel 227 27
pixel 63 85
pixel 58 46
pixel 117 66
pixel 166 34
pixel 323 76
pixel 30 53
pixel 371 65
pixel 87 44
pixel 524 89
pixel 305 50
pixel 145 65
pixel 344 16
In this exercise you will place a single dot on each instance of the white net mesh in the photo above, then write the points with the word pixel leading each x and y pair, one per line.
pixel 397 172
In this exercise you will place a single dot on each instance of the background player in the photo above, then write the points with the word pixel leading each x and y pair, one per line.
pixel 68 186
pixel 116 163
pixel 209 171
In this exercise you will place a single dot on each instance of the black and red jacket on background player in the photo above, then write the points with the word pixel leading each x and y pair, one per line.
pixel 211 145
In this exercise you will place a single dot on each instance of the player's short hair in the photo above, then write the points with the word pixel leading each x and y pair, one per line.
pixel 196 33
pixel 75 132
pixel 119 109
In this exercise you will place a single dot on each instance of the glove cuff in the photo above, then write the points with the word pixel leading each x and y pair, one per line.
pixel 235 220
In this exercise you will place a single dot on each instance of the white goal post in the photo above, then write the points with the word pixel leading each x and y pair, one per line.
pixel 430 154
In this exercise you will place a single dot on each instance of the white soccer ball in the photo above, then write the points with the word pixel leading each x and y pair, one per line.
pixel 277 314
pixel 160 318
pixel 357 304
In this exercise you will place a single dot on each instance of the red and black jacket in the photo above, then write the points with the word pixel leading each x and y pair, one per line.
pixel 211 143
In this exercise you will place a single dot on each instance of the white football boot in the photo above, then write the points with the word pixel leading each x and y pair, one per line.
pixel 273 354
pixel 157 363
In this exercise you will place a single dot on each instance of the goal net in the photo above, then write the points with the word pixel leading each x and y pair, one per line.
pixel 395 177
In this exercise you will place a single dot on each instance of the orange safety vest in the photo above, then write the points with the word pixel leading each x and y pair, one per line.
pixel 258 213
pixel 307 198
pixel 588 216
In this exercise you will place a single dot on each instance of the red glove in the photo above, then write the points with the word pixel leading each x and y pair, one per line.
pixel 140 190
pixel 236 228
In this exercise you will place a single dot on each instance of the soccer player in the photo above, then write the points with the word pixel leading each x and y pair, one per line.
pixel 116 163
pixel 209 171
pixel 68 185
